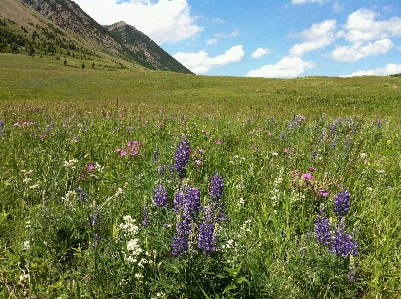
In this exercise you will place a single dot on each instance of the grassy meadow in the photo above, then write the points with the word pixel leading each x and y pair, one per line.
pixel 129 183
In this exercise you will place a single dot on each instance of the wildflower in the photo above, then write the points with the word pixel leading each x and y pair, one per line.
pixel 216 190
pixel 307 176
pixel 286 150
pixel 90 167
pixel 314 154
pixel 191 203
pixel 181 157
pixel 26 245
pixel 206 240
pixel 218 142
pixel 145 217
pixel 341 203
pixel 323 192
pixel 322 230
pixel 344 243
pixel 155 155
pixel 180 241
pixel 81 193
pixel 160 196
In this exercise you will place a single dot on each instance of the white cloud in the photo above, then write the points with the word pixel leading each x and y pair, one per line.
pixel 361 50
pixel 259 52
pixel 218 36
pixel 337 7
pixel 287 67
pixel 212 41
pixel 165 21
pixel 296 2
pixel 318 36
pixel 218 21
pixel 362 26
pixel 201 63
pixel 389 69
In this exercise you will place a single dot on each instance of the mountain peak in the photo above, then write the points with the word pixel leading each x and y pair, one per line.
pixel 61 27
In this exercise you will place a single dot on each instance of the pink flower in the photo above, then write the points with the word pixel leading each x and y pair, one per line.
pixel 307 176
pixel 312 168
pixel 270 134
pixel 123 153
pixel 201 150
pixel 90 167
pixel 323 192
pixel 134 153
pixel 251 132
pixel 286 150
pixel 198 162
pixel 218 141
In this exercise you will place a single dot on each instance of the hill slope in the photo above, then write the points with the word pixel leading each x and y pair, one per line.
pixel 62 28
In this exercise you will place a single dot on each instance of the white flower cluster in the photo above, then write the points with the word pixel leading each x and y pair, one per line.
pixel 128 228
pixel 297 196
pixel 275 192
pixel 134 253
pixel 27 179
pixel 71 163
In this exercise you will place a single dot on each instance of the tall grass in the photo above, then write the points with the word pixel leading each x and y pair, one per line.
pixel 100 198
pixel 71 177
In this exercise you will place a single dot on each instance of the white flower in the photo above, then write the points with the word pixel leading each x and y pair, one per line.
pixel 363 155
pixel 70 163
pixel 26 245
pixel 138 276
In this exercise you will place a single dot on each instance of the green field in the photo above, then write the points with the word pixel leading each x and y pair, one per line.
pixel 129 183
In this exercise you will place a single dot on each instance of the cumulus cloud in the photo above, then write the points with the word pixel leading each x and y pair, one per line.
pixel 259 52
pixel 287 67
pixel 318 36
pixel 201 63
pixel 389 69
pixel 362 26
pixel 361 50
pixel 164 21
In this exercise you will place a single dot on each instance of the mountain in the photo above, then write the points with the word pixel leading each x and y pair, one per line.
pixel 62 28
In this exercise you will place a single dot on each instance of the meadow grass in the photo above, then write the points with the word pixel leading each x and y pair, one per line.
pixel 82 213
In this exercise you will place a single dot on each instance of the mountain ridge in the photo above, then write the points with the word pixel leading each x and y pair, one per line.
pixel 61 27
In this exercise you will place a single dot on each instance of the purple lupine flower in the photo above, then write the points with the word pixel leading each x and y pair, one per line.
pixel 180 241
pixel 181 157
pixel 1 127
pixel 206 240
pixel 155 155
pixel 160 196
pixel 341 203
pixel 323 230
pixel 180 245
pixel 179 200
pixel 191 203
pixel 81 193
pixel 216 188
pixel 145 217
pixel 343 243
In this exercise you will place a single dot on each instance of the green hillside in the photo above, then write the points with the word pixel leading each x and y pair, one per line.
pixel 25 78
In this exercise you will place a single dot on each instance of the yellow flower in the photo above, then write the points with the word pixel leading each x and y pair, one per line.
pixel 389 142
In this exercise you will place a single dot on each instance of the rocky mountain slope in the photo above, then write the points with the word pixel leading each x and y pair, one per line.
pixel 61 27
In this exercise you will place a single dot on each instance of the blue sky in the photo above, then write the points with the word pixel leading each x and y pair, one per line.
pixel 267 38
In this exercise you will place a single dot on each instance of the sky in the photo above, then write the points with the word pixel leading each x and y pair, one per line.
pixel 267 38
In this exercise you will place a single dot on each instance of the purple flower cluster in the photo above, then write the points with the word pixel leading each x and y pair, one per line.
pixel 337 240
pixel 343 243
pixel 187 204
pixel 216 188
pixel 181 157
pixel 206 238
pixel 160 196
pixel 341 203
